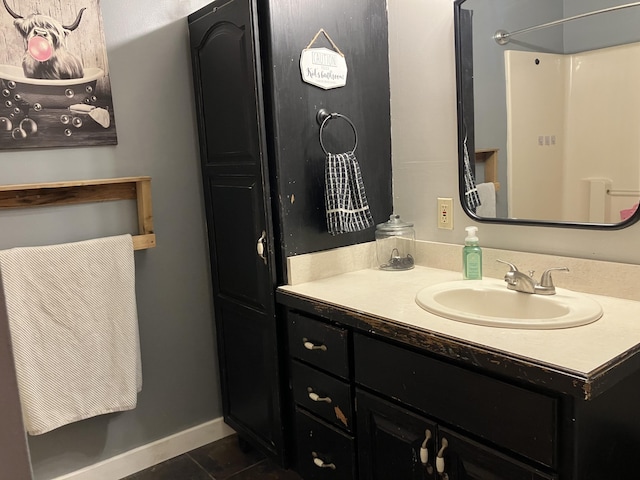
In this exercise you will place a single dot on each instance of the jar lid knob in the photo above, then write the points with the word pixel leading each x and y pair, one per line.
pixel 393 223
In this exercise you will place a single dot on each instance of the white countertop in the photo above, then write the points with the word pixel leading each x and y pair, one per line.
pixel 391 295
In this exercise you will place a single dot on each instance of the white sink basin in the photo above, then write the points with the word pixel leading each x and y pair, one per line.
pixel 488 302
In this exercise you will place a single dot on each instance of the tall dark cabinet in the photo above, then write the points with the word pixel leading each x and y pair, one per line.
pixel 263 174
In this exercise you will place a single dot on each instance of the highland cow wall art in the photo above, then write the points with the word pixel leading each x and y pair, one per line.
pixel 54 80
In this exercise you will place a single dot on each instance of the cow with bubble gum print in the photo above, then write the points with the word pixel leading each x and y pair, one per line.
pixel 46 56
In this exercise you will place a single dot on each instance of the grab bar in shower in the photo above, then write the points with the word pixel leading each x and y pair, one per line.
pixel 623 193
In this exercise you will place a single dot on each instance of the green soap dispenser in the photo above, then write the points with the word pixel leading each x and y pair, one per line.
pixel 471 256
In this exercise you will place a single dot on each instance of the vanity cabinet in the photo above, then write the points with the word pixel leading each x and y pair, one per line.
pixel 339 379
pixel 417 407
pixel 464 400
pixel 396 443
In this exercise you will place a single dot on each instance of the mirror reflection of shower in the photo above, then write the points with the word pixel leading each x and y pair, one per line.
pixel 581 140
pixel 554 107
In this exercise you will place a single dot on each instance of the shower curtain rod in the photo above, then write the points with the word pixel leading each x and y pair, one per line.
pixel 502 37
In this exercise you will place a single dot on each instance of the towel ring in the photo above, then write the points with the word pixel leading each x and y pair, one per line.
pixel 323 117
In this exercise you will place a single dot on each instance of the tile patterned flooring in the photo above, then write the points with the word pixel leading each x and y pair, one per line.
pixel 219 460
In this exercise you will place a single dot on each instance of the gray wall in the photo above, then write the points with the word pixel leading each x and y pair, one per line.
pixel 151 80
pixel 599 31
pixel 14 455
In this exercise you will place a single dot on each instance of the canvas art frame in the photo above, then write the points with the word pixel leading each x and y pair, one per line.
pixel 55 89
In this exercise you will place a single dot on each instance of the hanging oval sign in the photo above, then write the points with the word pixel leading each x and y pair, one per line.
pixel 323 68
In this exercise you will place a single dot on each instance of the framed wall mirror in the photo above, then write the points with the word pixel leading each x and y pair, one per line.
pixel 549 111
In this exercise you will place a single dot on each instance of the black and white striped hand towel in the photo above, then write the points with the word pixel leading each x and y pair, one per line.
pixel 345 199
pixel 470 191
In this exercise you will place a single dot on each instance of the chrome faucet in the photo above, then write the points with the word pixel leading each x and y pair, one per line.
pixel 520 282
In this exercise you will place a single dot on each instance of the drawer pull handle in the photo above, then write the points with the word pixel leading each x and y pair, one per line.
pixel 312 346
pixel 424 452
pixel 317 398
pixel 318 462
pixel 439 457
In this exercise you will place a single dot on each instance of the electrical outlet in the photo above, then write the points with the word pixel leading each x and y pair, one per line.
pixel 445 213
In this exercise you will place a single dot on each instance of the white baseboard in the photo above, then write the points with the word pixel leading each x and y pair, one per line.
pixel 153 453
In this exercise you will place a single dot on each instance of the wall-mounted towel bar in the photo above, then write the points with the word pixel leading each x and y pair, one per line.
pixel 623 193
pixel 88 191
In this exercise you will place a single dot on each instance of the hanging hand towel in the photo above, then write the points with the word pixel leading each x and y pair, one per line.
pixel 470 191
pixel 487 195
pixel 345 198
pixel 74 329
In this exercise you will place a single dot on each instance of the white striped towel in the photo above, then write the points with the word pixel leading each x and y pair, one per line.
pixel 74 329
pixel 347 208
pixel 487 196
pixel 470 191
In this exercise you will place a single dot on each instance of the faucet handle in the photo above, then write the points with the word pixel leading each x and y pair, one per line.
pixel 512 267
pixel 546 280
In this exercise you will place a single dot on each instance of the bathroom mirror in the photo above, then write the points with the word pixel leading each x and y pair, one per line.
pixel 549 111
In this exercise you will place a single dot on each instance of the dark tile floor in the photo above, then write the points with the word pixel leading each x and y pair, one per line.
pixel 220 460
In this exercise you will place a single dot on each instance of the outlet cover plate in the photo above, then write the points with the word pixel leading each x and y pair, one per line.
pixel 445 213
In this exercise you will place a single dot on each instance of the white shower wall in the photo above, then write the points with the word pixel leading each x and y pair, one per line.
pixel 536 100
pixel 584 135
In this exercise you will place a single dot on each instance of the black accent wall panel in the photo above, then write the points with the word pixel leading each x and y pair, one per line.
pixel 359 29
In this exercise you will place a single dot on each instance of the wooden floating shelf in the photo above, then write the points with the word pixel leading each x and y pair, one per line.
pixel 88 191
pixel 489 156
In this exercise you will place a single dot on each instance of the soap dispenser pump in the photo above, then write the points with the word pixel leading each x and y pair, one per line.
pixel 471 256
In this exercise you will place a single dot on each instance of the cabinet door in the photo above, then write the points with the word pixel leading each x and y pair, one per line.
pixel 390 440
pixel 464 459
pixel 229 105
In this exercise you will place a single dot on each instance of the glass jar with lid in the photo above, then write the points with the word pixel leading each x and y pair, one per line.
pixel 395 244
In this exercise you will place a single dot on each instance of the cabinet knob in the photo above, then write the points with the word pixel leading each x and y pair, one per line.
pixel 439 457
pixel 424 451
pixel 317 398
pixel 318 462
pixel 312 346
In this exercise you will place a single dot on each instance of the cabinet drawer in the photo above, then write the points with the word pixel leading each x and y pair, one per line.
pixel 516 418
pixel 322 394
pixel 320 344
pixel 323 452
